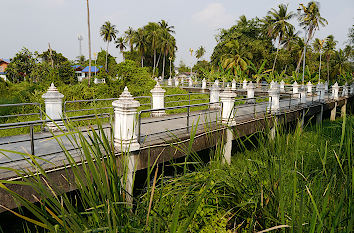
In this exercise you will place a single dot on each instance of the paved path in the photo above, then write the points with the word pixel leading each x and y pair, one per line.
pixel 152 131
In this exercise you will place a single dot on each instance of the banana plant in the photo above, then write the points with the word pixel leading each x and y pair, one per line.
pixel 259 73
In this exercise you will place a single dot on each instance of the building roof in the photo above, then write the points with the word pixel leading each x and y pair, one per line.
pixel 93 69
pixel 75 67
pixel 5 60
pixel 2 73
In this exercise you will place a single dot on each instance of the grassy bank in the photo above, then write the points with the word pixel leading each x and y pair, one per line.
pixel 300 181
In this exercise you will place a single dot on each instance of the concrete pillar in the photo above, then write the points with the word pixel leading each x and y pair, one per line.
pixel 296 89
pixel 343 109
pixel 169 82
pixel 204 83
pixel 334 112
pixel 250 92
pixel 217 82
pixel 309 88
pixel 319 116
pixel 53 101
pixel 233 85
pixel 335 91
pixel 282 86
pixel 228 146
pixel 302 92
pixel 227 97
pixel 125 109
pixel 190 82
pixel 275 96
pixel 182 81
pixel 271 84
pixel 214 95
pixel 176 82
pixel 158 100
pixel 320 89
pixel 244 84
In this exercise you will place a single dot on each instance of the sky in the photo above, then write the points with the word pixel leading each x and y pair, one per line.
pixel 35 23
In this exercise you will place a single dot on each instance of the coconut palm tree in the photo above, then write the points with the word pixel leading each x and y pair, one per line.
pixel 279 25
pixel 329 49
pixel 167 45
pixel 109 32
pixel 290 39
pixel 341 63
pixel 235 60
pixel 129 34
pixel 200 52
pixel 89 39
pixel 318 47
pixel 120 43
pixel 140 41
pixel 311 19
pixel 153 34
pixel 164 25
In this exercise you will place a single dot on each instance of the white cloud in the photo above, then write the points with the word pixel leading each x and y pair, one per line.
pixel 214 15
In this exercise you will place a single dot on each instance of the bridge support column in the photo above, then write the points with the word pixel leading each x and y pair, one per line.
pixel 319 116
pixel 214 95
pixel 227 149
pixel 334 112
pixel 53 100
pixel 204 84
pixel 344 108
pixel 125 140
pixel 158 100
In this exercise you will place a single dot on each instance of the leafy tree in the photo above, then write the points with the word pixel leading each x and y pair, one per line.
pixel 167 45
pixel 109 33
pixel 235 60
pixel 154 35
pixel 140 41
pixel 120 43
pixel 183 67
pixel 341 63
pixel 201 67
pixel 200 52
pixel 20 67
pixel 164 26
pixel 329 49
pixel 279 25
pixel 129 34
pixel 318 46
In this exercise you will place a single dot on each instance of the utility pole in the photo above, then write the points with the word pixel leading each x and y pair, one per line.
pixel 50 54
pixel 80 38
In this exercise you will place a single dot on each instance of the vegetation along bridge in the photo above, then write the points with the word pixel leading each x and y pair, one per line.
pixel 148 128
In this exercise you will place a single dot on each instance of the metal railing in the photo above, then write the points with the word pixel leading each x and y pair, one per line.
pixel 189 100
pixel 32 124
pixel 39 113
pixel 212 108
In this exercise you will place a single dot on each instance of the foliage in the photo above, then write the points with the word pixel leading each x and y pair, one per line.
pixel 20 66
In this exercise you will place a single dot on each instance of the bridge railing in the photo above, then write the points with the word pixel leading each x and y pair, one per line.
pixel 186 99
pixel 31 138
pixel 212 114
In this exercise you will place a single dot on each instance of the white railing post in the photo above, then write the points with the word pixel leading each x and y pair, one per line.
pixel 326 86
pixel 169 82
pixel 309 88
pixel 303 99
pixel 125 110
pixel 345 92
pixel 352 89
pixel 244 84
pixel 275 96
pixel 335 91
pixel 214 95
pixel 176 82
pixel 282 86
pixel 158 100
pixel 227 97
pixel 204 83
pixel 250 92
pixel 233 85
pixel 53 101
pixel 217 82
pixel 296 89
pixel 190 81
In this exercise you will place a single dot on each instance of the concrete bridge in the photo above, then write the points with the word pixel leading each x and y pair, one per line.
pixel 150 134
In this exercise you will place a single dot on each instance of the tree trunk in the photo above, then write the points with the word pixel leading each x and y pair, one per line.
pixel 163 66
pixel 142 61
pixel 89 40
pixel 299 62
pixel 275 59
pixel 106 56
pixel 319 69
pixel 328 69
pixel 153 71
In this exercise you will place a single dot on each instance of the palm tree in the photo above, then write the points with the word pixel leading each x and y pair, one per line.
pixel 140 41
pixel 290 38
pixel 329 49
pixel 89 39
pixel 310 18
pixel 235 60
pixel 200 52
pixel 109 33
pixel 129 34
pixel 279 25
pixel 164 25
pixel 154 32
pixel 167 45
pixel 341 63
pixel 318 46
pixel 120 43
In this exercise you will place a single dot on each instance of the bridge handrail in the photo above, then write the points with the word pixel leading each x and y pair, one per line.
pixel 22 114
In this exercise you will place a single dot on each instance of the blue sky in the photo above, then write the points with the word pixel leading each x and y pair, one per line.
pixel 34 23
